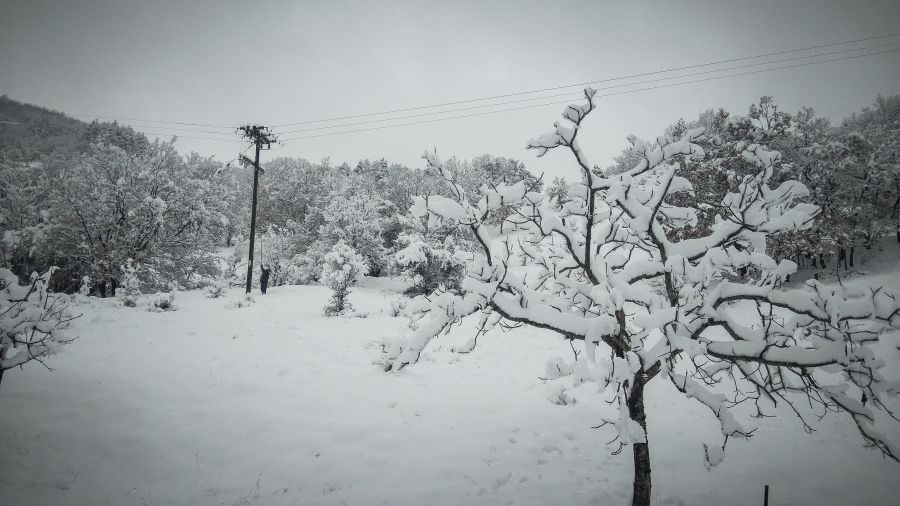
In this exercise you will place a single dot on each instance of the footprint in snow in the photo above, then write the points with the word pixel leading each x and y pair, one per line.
pixel 499 482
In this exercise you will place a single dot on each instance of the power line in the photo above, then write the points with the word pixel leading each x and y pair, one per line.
pixel 668 85
pixel 161 124
pixel 598 81
pixel 578 93
pixel 185 136
pixel 173 129
pixel 116 118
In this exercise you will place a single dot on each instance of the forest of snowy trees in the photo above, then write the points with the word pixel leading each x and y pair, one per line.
pixel 101 202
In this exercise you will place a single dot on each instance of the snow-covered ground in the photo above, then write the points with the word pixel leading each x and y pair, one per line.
pixel 276 404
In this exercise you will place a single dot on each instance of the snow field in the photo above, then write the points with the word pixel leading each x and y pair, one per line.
pixel 275 404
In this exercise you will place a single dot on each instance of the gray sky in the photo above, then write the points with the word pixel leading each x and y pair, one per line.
pixel 230 62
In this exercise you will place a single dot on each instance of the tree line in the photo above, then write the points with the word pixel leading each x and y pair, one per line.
pixel 106 205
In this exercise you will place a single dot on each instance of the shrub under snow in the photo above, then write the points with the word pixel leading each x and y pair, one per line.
pixel 32 320
pixel 130 290
pixel 429 264
pixel 343 266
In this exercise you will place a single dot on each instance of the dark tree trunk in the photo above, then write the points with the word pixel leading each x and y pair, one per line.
pixel 2 356
pixel 641 491
pixel 852 250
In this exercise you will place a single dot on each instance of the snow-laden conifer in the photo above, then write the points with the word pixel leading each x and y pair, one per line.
pixel 342 269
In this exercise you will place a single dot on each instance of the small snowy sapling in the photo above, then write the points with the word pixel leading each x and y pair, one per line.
pixel 130 290
pixel 343 268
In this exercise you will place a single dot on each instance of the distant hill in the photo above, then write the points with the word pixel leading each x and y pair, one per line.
pixel 41 132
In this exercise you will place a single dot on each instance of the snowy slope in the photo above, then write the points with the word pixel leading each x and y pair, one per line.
pixel 276 404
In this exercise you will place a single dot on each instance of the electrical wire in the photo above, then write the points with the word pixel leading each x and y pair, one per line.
pixel 578 93
pixel 117 118
pixel 668 85
pixel 598 81
pixel 183 136
pixel 162 124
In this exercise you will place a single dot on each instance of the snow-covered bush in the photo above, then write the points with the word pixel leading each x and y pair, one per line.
pixel 342 269
pixel 33 320
pixel 429 264
pixel 85 289
pixel 605 270
pixel 305 268
pixel 161 302
pixel 361 222
pixel 130 290
pixel 216 290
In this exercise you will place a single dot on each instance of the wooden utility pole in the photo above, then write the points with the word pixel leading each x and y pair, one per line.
pixel 260 136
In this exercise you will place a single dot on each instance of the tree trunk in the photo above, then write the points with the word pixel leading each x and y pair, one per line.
pixel 641 491
pixel 2 356
pixel 852 251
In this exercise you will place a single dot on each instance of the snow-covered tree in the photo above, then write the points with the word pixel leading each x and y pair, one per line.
pixel 558 192
pixel 428 257
pixel 605 272
pixel 33 320
pixel 342 268
pixel 155 207
pixel 359 221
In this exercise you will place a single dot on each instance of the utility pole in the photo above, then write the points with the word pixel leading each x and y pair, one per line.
pixel 260 136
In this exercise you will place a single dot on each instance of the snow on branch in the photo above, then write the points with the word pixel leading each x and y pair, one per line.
pixel 33 320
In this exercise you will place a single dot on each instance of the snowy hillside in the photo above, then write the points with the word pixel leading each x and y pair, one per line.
pixel 276 404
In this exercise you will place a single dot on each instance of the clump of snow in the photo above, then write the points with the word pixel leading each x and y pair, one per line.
pixel 162 302
pixel 557 394
pixel 241 302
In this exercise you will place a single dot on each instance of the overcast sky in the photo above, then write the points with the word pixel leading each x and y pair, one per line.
pixel 230 62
